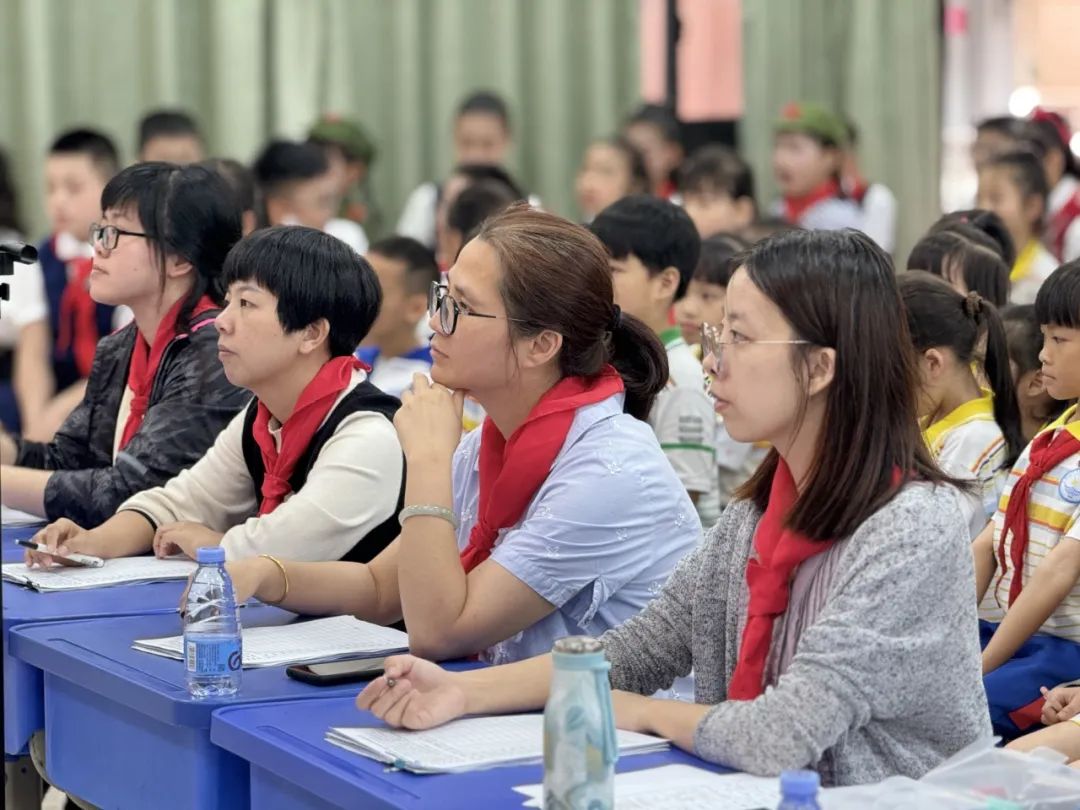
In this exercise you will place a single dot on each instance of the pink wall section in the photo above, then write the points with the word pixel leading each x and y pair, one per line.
pixel 709 57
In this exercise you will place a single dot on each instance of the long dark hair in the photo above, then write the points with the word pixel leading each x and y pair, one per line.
pixel 186 211
pixel 837 289
pixel 9 206
pixel 939 316
pixel 555 275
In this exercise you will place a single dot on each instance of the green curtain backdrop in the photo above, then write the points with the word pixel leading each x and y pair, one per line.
pixel 251 69
pixel 878 62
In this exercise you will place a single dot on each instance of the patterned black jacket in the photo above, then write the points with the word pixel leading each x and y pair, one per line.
pixel 190 402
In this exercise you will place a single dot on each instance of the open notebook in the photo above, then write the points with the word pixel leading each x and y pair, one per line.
pixel 472 744
pixel 15 519
pixel 121 571
pixel 300 642
pixel 682 787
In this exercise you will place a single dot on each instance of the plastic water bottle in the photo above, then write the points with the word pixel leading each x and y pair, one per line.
pixel 212 642
pixel 580 747
pixel 799 790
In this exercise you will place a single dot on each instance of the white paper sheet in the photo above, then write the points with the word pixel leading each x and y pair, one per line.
pixel 470 744
pixel 300 642
pixel 15 519
pixel 120 571
pixel 683 787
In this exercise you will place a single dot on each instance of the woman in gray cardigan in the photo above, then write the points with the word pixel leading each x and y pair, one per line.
pixel 829 616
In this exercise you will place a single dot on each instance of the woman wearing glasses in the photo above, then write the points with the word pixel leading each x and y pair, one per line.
pixel 560 515
pixel 829 616
pixel 157 396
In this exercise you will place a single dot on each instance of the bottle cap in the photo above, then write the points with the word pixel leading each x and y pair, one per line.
pixel 797 784
pixel 210 554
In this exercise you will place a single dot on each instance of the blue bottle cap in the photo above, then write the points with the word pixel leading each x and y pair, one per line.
pixel 799 784
pixel 210 554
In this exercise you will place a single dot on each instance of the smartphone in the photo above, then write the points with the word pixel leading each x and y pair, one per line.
pixel 72 559
pixel 335 672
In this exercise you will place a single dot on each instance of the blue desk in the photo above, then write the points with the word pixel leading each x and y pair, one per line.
pixel 23 695
pixel 12 552
pixel 294 768
pixel 122 729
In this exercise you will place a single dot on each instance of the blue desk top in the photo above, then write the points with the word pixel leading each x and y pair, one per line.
pixel 287 739
pixel 97 655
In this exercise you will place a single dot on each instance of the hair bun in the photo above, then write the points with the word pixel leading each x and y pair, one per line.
pixel 973 305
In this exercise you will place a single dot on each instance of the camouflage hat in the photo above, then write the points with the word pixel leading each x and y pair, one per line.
pixel 812 119
pixel 347 134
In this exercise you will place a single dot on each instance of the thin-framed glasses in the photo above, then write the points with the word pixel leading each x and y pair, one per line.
pixel 109 235
pixel 714 344
pixel 440 301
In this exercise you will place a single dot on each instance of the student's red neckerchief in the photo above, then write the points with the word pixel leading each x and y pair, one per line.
pixel 312 408
pixel 1047 451
pixel 145 360
pixel 1059 225
pixel 512 470
pixel 78 329
pixel 795 207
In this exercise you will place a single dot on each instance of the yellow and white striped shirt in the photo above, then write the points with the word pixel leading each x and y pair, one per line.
pixel 1053 518
pixel 969 444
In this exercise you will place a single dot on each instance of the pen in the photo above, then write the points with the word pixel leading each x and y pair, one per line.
pixel 75 559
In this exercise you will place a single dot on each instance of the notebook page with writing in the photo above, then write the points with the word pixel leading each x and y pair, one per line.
pixel 120 571
pixel 682 787
pixel 15 518
pixel 474 743
pixel 300 642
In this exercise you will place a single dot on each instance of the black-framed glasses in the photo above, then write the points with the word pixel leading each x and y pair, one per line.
pixel 109 235
pixel 440 301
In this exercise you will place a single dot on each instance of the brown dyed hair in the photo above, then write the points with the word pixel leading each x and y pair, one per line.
pixel 837 289
pixel 555 275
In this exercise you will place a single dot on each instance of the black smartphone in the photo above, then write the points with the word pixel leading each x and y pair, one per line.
pixel 334 672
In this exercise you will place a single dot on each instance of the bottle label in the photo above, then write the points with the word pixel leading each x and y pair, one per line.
pixel 213 656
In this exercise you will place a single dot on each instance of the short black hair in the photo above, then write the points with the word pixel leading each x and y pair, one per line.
pixel 96 145
pixel 660 117
pixel 167 124
pixel 238 176
pixel 421 269
pixel 185 211
pixel 314 276
pixel 476 203
pixel 715 265
pixel 982 220
pixel 659 233
pixel 283 162
pixel 1058 300
pixel 716 169
pixel 1016 128
pixel 479 172
pixel 485 102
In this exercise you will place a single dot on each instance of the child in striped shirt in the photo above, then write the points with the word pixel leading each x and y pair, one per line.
pixel 1028 561
pixel 974 433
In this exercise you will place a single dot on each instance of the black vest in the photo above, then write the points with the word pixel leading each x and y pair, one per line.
pixel 364 397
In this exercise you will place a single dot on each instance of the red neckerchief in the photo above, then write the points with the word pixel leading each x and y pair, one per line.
pixel 512 470
pixel 78 331
pixel 776 554
pixel 145 360
pixel 312 408
pixel 1059 225
pixel 1047 451
pixel 796 207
